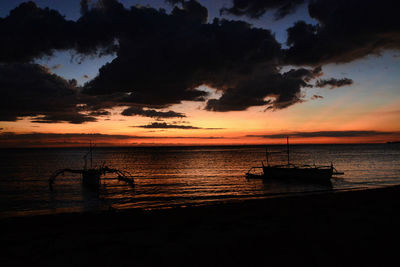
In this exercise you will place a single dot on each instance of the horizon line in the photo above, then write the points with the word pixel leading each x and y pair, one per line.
pixel 195 145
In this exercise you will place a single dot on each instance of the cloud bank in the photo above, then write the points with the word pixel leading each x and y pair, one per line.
pixel 30 90
pixel 162 59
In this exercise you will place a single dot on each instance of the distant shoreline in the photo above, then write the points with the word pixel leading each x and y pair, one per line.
pixel 188 146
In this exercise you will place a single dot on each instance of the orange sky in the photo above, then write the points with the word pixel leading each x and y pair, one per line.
pixel 365 111
pixel 328 114
pixel 372 103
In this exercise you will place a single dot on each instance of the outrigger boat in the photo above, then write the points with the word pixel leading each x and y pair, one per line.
pixel 312 173
pixel 91 176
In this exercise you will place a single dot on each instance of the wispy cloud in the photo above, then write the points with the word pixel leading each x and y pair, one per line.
pixel 326 134
pixel 36 136
pixel 139 111
pixel 333 83
pixel 11 139
pixel 314 97
pixel 164 125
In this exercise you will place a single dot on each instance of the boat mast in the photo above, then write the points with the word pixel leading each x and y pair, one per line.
pixel 91 155
pixel 85 158
pixel 288 157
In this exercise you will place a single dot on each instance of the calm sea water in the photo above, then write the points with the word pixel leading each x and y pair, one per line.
pixel 178 176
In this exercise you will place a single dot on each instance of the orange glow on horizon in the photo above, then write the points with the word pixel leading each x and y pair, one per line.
pixel 222 128
pixel 191 141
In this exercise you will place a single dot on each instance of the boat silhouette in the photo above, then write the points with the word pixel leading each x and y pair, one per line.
pixel 310 173
pixel 91 176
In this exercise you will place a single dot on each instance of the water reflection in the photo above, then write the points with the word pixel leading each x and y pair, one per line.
pixel 294 186
pixel 170 176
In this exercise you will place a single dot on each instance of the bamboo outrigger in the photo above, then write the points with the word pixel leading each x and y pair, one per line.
pixel 91 177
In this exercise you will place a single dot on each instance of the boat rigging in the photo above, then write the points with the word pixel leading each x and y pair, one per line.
pixel 91 177
pixel 316 173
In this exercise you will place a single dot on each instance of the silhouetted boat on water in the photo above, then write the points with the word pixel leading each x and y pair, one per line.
pixel 307 173
pixel 91 177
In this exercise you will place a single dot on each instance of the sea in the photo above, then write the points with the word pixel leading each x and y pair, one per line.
pixel 168 177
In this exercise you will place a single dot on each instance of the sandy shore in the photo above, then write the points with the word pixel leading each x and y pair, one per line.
pixel 334 229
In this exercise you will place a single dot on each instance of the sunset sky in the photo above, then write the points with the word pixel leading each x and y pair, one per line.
pixel 188 72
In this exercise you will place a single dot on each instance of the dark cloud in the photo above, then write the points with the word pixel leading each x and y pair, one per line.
pixel 314 97
pixel 197 13
pixel 164 125
pixel 333 83
pixel 240 61
pixel 326 134
pixel 97 113
pixel 347 30
pixel 283 90
pixel 31 90
pixel 257 8
pixel 138 111
pixel 162 59
pixel 30 32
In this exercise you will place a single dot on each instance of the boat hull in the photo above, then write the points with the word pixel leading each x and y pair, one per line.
pixel 311 174
pixel 91 178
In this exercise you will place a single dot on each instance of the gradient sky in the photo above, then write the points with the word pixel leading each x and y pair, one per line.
pixel 366 110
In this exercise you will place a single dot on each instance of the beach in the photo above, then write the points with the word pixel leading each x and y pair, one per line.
pixel 356 228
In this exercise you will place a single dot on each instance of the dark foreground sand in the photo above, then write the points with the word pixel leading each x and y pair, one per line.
pixel 360 228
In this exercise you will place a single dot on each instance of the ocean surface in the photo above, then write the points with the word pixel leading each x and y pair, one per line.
pixel 179 176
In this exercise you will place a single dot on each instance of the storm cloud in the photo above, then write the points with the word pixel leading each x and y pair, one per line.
pixel 30 32
pixel 347 30
pixel 257 8
pixel 283 90
pixel 31 90
pixel 162 59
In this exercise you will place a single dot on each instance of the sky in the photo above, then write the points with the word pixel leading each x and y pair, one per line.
pixel 140 73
